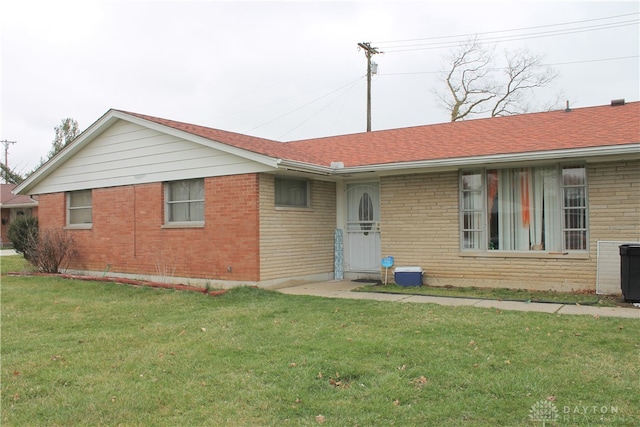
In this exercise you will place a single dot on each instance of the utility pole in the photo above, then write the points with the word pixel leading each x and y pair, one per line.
pixel 369 52
pixel 6 144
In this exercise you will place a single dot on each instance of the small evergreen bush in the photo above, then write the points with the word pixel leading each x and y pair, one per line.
pixel 23 233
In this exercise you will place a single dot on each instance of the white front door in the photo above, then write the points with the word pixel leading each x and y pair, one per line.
pixel 363 228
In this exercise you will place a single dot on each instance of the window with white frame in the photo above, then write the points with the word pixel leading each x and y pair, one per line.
pixel 184 201
pixel 540 208
pixel 79 208
pixel 292 192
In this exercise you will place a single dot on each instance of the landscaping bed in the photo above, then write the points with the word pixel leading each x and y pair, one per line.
pixel 502 294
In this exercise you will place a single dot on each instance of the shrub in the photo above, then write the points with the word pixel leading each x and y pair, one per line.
pixel 46 249
pixel 53 248
pixel 23 233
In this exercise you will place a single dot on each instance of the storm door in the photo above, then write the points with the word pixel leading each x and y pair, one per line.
pixel 363 228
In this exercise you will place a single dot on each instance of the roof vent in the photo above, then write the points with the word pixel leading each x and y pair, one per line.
pixel 616 102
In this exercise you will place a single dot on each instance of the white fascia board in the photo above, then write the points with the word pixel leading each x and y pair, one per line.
pixel 297 166
pixel 20 205
pixel 629 151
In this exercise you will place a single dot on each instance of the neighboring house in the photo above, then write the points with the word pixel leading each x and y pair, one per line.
pixel 519 201
pixel 12 207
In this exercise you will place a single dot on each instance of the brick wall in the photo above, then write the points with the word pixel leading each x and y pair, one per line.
pixel 296 242
pixel 420 227
pixel 128 236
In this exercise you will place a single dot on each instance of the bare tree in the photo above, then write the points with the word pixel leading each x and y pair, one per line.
pixel 476 85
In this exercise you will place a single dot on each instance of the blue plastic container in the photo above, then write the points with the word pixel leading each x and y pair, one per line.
pixel 408 276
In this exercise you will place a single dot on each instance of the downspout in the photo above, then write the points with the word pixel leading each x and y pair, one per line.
pixel 135 235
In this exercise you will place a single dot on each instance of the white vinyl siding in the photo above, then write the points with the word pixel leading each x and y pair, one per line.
pixel 79 208
pixel 129 154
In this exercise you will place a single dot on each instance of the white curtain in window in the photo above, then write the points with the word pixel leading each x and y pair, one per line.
pixel 514 215
pixel 552 229
pixel 179 191
pixel 528 209
pixel 545 225
pixel 186 200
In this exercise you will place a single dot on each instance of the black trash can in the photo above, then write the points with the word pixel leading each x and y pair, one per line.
pixel 630 272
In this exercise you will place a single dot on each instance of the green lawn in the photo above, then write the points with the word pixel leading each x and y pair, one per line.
pixel 89 353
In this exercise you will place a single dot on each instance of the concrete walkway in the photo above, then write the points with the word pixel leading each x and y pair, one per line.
pixel 343 289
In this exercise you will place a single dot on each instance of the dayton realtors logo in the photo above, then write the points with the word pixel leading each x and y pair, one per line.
pixel 547 413
pixel 544 411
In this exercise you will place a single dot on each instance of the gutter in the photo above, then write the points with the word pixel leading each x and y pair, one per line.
pixel 628 151
pixel 297 166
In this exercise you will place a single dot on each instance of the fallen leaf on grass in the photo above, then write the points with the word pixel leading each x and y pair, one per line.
pixel 320 419
pixel 396 402
pixel 419 382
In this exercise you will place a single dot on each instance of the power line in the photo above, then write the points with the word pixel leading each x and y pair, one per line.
pixel 351 83
pixel 544 65
pixel 511 30
pixel 510 38
pixel 321 109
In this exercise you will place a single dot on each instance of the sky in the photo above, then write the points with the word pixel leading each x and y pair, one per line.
pixel 286 70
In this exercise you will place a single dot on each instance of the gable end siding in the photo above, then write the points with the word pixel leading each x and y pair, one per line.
pixel 129 154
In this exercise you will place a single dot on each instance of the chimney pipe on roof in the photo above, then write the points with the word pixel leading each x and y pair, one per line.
pixel 616 102
pixel 567 109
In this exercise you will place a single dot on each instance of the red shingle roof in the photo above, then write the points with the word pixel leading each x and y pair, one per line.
pixel 556 130
pixel 8 199
pixel 527 133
